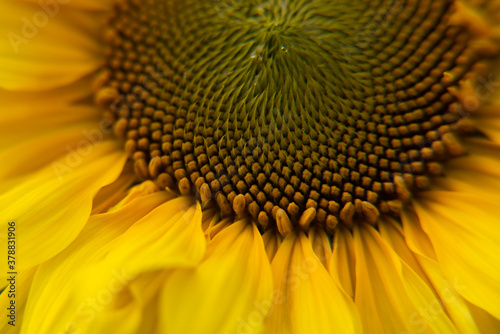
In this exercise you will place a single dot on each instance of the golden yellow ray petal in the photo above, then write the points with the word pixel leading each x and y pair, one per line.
pixel 449 295
pixel 229 292
pixel 169 236
pixel 132 310
pixel 217 225
pixel 464 230
pixel 415 237
pixel 113 193
pixel 36 152
pixel 59 276
pixel 51 207
pixel 31 52
pixel 137 191
pixel 485 321
pixel 307 299
pixel 272 242
pixel 390 296
pixel 428 269
pixel 321 245
pixel 123 320
pixel 32 117
pixel 342 262
pixel 145 289
pixel 392 233
pixel 490 127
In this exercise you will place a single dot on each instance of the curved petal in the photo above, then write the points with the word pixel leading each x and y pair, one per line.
pixel 271 242
pixel 59 277
pixel 470 174
pixel 133 310
pixel 113 193
pixel 168 237
pixel 390 296
pixel 392 233
pixel 146 290
pixel 41 150
pixel 321 245
pixel 229 292
pixel 46 46
pixel 342 263
pixel 307 299
pixel 429 270
pixel 415 237
pixel 485 321
pixel 464 230
pixel 490 126
pixel 51 207
pixel 34 114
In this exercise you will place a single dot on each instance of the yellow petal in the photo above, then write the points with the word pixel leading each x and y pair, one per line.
pixel 125 320
pixel 146 290
pixel 320 244
pixel 169 236
pixel 415 237
pixel 448 294
pixel 34 115
pixel 114 192
pixel 59 276
pixel 390 296
pixel 271 242
pixel 217 225
pixel 392 233
pixel 471 173
pixel 132 310
pixel 428 270
pixel 51 207
pixel 485 321
pixel 230 292
pixel 464 230
pixel 307 299
pixel 490 126
pixel 40 150
pixel 31 56
pixel 342 262
pixel 145 188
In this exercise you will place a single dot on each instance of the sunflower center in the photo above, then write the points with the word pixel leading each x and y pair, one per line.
pixel 292 112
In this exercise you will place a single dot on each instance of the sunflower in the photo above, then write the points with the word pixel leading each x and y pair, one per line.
pixel 250 166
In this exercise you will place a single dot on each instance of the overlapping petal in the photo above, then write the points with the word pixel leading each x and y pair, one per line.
pixel 46 46
pixel 53 205
pixel 307 299
pixel 390 296
pixel 463 229
pixel 72 275
pixel 229 292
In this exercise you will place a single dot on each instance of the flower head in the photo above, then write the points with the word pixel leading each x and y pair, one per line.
pixel 251 166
